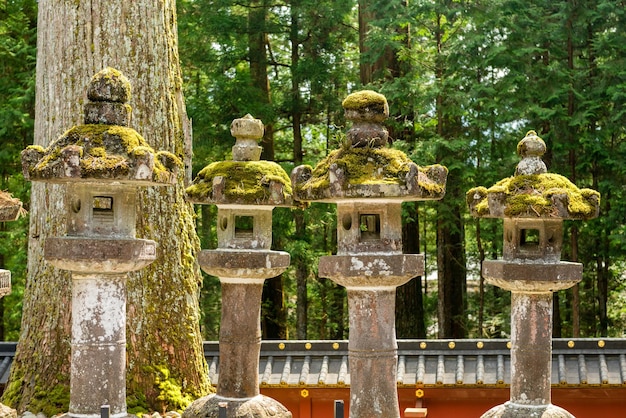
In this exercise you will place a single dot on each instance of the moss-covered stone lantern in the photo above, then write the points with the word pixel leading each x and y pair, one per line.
pixel 533 204
pixel 369 182
pixel 245 191
pixel 10 210
pixel 102 163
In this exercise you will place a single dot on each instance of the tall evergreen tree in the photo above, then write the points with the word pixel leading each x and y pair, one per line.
pixel 164 345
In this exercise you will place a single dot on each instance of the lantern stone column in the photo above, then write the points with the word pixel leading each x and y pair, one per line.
pixel 10 210
pixel 533 204
pixel 102 163
pixel 369 182
pixel 245 191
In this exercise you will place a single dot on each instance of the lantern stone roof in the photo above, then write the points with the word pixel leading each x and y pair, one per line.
pixel 10 207
pixel 364 167
pixel 532 192
pixel 246 180
pixel 105 148
pixel 241 183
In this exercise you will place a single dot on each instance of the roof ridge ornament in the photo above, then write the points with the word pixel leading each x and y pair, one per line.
pixel 531 148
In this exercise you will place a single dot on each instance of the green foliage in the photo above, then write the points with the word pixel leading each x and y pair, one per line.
pixel 17 109
pixel 464 80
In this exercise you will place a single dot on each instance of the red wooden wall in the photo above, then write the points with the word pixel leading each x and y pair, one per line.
pixel 442 402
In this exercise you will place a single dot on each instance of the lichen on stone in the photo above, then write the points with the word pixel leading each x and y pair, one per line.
pixel 105 152
pixel 534 196
pixel 246 182
pixel 364 99
pixel 368 166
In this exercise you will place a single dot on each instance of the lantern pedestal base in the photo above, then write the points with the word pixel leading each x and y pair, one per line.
pixel 257 407
pixel 5 282
pixel 512 410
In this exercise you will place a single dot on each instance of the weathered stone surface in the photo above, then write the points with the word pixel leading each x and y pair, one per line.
pixel 366 110
pixel 245 180
pixel 104 148
pixel 369 182
pixel 108 113
pixel 533 204
pixel 355 173
pixel 10 207
pixel 244 227
pixel 520 244
pixel 7 412
pixel 512 410
pixel 372 353
pixel 109 85
pixel 533 193
pixel 243 264
pixel 371 271
pixel 363 167
pixel 257 407
pixel 5 282
pixel 240 339
pixel 241 183
pixel 369 226
pixel 99 255
pixel 245 190
pixel 531 348
pixel 531 148
pixel 532 277
pixel 248 131
pixel 98 344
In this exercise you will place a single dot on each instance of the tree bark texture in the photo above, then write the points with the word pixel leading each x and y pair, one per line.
pixel 451 276
pixel 409 299
pixel 76 40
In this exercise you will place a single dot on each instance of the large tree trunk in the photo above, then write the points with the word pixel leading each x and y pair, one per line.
pixel 76 40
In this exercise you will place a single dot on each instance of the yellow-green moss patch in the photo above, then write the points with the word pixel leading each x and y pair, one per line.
pixel 364 99
pixel 362 166
pixel 106 151
pixel 531 195
pixel 246 182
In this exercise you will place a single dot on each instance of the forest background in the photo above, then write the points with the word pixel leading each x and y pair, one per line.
pixel 464 80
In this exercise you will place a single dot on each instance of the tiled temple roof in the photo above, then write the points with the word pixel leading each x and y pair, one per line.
pixel 421 363
pixel 435 363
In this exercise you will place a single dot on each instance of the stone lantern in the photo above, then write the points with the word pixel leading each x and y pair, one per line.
pixel 369 182
pixel 102 163
pixel 10 210
pixel 533 204
pixel 245 191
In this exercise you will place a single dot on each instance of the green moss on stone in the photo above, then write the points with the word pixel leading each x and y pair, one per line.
pixel 246 181
pixel 37 148
pixel 106 166
pixel 531 195
pixel 105 153
pixel 367 166
pixel 364 99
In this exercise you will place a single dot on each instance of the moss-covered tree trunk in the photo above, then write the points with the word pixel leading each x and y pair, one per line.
pixel 166 366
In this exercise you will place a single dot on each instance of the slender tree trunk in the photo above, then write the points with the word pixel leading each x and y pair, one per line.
pixel 302 270
pixel 451 277
pixel 481 285
pixel 409 299
pixel 76 40
pixel 274 312
pixel 257 50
